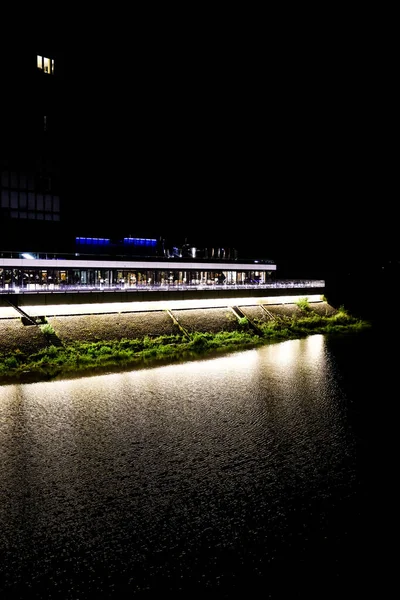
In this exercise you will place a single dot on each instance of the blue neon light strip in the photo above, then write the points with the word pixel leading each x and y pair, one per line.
pixel 140 241
pixel 92 241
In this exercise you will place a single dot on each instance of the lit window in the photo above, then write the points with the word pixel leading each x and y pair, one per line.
pixel 45 64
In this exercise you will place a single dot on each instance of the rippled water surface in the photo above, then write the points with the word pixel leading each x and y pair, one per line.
pixel 231 475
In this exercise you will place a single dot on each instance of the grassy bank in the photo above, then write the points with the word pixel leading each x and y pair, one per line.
pixel 77 359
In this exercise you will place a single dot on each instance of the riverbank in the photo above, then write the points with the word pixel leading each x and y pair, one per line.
pixel 82 345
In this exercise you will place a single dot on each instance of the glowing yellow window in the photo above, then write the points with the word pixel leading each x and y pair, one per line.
pixel 46 64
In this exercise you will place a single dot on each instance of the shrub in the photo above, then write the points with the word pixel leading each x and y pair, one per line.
pixel 11 362
pixel 47 329
pixel 52 351
pixel 303 304
pixel 104 350
pixel 198 340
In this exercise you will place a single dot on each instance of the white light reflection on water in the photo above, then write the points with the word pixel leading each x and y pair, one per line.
pixel 145 471
pixel 282 357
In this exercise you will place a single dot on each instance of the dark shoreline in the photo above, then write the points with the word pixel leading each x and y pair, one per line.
pixel 166 348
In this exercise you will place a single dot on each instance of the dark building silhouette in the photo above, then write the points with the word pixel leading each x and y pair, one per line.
pixel 32 151
pixel 77 162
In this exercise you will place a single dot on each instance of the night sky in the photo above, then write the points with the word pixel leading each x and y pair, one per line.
pixel 233 130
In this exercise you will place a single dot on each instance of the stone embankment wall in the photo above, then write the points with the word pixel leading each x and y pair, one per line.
pixel 14 335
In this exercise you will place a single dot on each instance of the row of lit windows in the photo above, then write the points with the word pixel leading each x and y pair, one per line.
pixel 37 216
pixel 130 278
pixel 30 201
pixel 45 64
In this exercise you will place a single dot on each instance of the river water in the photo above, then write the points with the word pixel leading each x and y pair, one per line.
pixel 219 477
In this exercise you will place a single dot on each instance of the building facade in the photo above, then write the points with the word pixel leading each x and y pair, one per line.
pixel 31 152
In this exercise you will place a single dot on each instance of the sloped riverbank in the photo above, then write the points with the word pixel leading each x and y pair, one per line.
pixel 82 345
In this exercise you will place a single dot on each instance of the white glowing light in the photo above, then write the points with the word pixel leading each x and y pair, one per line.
pixel 50 310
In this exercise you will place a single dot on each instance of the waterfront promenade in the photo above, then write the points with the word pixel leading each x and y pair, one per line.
pixel 117 299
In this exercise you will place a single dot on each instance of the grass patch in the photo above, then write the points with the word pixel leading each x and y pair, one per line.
pixel 84 358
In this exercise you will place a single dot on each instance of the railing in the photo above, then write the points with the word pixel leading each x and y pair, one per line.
pixel 60 288
pixel 128 256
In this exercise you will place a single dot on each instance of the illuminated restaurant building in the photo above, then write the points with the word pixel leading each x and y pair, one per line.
pixel 144 263
pixel 39 251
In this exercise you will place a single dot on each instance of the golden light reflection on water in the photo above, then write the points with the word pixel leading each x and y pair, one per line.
pixel 282 367
pixel 286 354
pixel 161 462
pixel 276 404
pixel 287 358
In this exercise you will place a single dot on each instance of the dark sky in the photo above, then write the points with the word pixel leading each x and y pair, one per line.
pixel 267 133
pixel 239 133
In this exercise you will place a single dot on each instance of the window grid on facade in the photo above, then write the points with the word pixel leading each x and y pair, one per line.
pixel 26 204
